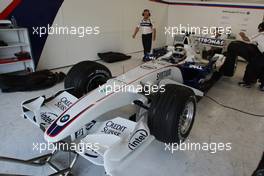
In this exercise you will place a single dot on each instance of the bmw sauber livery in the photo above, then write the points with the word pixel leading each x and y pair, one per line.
pixel 79 113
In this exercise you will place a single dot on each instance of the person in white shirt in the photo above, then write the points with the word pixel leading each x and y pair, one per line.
pixel 252 50
pixel 148 32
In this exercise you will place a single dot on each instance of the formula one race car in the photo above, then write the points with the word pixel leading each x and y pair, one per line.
pixel 166 111
pixel 164 92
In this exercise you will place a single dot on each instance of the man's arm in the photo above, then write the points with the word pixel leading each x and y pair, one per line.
pixel 135 33
pixel 154 33
pixel 244 37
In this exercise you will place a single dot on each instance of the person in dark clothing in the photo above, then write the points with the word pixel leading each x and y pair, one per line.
pixel 260 170
pixel 148 33
pixel 251 49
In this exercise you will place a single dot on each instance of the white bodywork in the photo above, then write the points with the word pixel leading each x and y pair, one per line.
pixel 66 116
pixel 112 142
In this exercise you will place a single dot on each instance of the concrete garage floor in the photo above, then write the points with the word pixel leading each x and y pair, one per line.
pixel 213 124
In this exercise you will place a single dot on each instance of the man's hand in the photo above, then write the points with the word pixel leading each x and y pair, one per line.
pixel 244 36
pixel 135 33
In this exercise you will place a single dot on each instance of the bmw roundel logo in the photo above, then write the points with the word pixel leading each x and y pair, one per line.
pixel 65 118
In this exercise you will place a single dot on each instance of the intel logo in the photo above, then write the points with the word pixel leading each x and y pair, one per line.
pixel 137 139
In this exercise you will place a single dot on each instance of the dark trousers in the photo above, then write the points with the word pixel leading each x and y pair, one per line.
pixel 147 43
pixel 261 77
pixel 251 54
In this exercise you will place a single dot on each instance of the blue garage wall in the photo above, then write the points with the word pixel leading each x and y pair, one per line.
pixel 36 13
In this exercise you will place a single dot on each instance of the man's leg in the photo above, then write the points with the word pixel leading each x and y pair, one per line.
pixel 235 49
pixel 254 69
pixel 250 76
pixel 149 43
pixel 144 42
pixel 242 49
pixel 261 79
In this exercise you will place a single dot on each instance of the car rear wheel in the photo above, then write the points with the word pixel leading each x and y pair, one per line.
pixel 172 113
pixel 85 77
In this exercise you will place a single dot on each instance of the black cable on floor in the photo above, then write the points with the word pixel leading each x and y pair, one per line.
pixel 232 108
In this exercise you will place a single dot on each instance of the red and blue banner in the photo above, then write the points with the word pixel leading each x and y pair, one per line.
pixel 33 13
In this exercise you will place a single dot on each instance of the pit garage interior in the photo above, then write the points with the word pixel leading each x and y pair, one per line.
pixel 228 114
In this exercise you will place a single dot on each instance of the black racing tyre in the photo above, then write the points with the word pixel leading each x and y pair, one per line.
pixel 85 77
pixel 172 113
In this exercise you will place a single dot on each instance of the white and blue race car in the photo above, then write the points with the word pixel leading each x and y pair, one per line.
pixel 164 92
